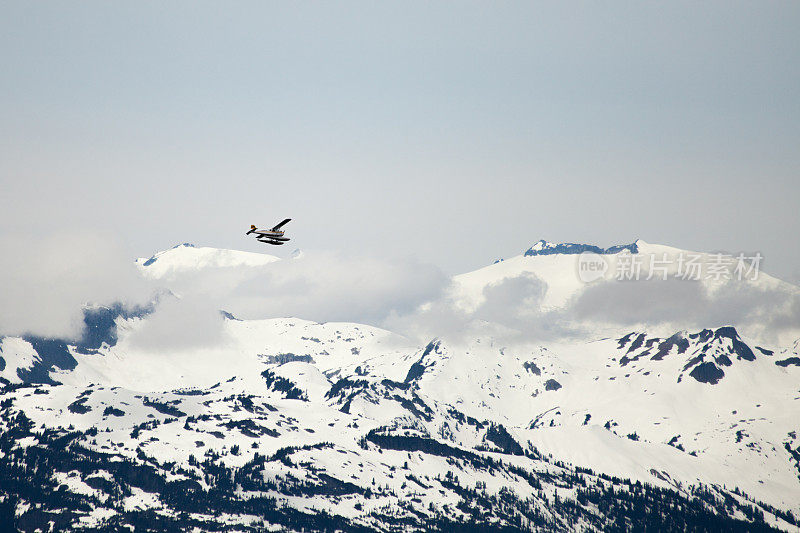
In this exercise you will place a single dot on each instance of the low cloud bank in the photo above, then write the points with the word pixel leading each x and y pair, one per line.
pixel 180 324
pixel 512 310
pixel 767 313
pixel 319 286
pixel 45 280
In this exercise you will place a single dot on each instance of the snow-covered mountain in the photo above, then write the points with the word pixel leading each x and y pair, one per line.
pixel 292 424
pixel 559 266
pixel 188 257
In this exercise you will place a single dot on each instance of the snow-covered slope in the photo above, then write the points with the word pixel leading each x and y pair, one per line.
pixel 247 346
pixel 732 425
pixel 296 424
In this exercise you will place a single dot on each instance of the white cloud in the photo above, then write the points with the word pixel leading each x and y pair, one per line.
pixel 46 279
pixel 180 324
pixel 765 313
pixel 512 310
pixel 320 286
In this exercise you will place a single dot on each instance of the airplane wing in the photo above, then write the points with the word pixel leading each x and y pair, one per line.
pixel 279 226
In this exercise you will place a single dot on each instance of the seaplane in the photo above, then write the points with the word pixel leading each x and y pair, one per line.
pixel 270 236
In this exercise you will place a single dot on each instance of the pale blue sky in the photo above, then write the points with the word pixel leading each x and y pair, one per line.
pixel 454 132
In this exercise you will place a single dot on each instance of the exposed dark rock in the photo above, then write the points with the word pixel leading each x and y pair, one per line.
pixel 552 384
pixel 707 373
pixel 702 336
pixel 741 350
pixel 621 342
pixel 666 346
pixel 574 249
pixel 163 408
pixel 498 435
pixel 418 369
pixel 283 358
pixel 637 343
pixel 101 327
pixel 52 353
pixel 289 389
pixel 79 407
pixel 531 367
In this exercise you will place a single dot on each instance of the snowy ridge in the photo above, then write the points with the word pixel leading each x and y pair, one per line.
pixel 294 424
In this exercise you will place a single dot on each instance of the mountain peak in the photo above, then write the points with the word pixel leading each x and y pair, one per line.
pixel 186 256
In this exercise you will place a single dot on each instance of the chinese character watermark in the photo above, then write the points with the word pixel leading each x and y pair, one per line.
pixel 687 266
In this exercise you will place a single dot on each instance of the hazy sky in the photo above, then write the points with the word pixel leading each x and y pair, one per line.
pixel 453 132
